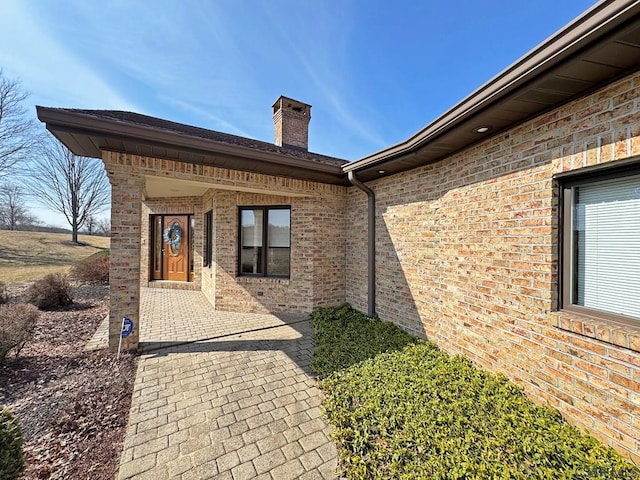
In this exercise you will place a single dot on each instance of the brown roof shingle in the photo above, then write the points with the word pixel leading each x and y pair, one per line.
pixel 191 131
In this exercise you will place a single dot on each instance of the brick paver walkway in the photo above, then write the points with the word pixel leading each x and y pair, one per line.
pixel 242 405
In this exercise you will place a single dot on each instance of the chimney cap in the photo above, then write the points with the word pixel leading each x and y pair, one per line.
pixel 286 102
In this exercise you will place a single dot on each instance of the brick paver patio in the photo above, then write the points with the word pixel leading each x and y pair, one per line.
pixel 242 404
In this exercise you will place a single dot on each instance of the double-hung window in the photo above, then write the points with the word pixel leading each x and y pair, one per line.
pixel 601 245
pixel 264 241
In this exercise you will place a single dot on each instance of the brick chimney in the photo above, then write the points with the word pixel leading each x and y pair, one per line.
pixel 291 122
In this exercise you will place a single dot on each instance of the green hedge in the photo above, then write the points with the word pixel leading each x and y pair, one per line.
pixel 338 336
pixel 416 412
pixel 11 462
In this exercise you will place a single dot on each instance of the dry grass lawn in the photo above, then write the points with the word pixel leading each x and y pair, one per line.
pixel 26 256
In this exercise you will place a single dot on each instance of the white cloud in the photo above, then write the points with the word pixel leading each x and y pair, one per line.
pixel 219 122
pixel 52 73
pixel 319 49
pixel 215 64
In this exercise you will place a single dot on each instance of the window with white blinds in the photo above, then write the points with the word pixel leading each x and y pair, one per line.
pixel 265 241
pixel 606 244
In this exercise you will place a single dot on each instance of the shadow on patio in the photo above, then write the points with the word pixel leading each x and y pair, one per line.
pixel 175 317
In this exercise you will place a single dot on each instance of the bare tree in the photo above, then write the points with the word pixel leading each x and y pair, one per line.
pixel 90 224
pixel 74 186
pixel 14 214
pixel 104 227
pixel 18 132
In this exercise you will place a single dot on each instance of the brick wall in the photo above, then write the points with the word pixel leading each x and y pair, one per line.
pixel 220 178
pixel 317 233
pixel 467 256
pixel 328 223
pixel 124 283
pixel 207 277
pixel 317 274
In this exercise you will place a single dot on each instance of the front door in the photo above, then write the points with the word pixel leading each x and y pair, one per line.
pixel 175 264
pixel 171 238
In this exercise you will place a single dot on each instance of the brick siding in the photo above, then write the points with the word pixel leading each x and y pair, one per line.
pixel 317 275
pixel 467 255
pixel 124 274
pixel 207 277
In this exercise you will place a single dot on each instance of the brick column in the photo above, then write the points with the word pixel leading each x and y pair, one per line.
pixel 124 269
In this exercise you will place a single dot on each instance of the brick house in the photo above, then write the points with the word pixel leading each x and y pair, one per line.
pixel 507 230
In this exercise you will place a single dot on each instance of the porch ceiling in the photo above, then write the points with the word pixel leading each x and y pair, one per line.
pixel 162 187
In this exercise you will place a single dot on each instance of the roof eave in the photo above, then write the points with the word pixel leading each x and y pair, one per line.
pixel 598 20
pixel 59 121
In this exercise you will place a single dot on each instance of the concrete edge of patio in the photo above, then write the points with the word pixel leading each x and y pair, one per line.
pixel 100 338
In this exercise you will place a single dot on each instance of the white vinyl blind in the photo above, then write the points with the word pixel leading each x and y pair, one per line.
pixel 251 228
pixel 279 233
pixel 606 229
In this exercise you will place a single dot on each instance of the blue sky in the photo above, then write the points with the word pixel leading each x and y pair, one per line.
pixel 375 72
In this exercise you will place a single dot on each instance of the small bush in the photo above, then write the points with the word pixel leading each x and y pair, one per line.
pixel 93 269
pixel 50 292
pixel 11 461
pixel 17 327
pixel 4 295
pixel 419 413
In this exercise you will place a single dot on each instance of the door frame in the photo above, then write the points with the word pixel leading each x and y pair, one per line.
pixel 154 274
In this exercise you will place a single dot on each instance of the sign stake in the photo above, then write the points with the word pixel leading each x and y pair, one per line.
pixel 120 341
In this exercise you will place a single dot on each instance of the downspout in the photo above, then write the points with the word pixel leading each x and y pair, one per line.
pixel 371 242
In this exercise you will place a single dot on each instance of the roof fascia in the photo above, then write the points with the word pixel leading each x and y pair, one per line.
pixel 603 16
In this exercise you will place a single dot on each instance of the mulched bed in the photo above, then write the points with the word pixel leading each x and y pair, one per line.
pixel 72 405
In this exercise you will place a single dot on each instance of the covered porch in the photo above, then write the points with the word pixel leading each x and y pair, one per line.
pixel 177 317
pixel 209 202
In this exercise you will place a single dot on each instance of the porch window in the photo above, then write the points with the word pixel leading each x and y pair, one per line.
pixel 208 239
pixel 601 248
pixel 265 241
pixel 157 247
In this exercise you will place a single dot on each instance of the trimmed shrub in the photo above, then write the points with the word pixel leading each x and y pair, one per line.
pixel 50 292
pixel 11 461
pixel 93 269
pixel 337 336
pixel 4 295
pixel 419 413
pixel 17 327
